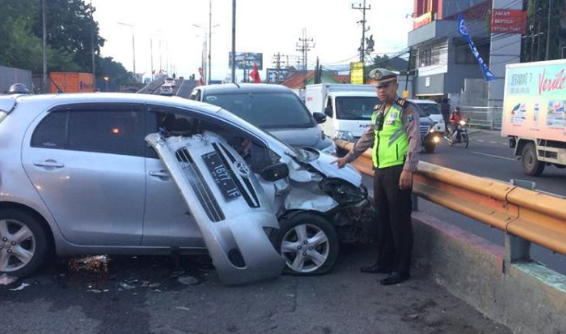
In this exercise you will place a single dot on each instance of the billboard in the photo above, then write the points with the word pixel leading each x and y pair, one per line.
pixel 246 60
pixel 535 100
pixel 277 75
pixel 504 21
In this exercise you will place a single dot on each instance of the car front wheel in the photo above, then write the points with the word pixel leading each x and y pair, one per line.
pixel 23 243
pixel 308 243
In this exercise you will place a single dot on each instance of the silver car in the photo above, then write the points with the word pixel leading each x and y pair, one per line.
pixel 77 177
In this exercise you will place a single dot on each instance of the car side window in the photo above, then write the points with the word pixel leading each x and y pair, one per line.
pixel 106 131
pixel 102 130
pixel 52 131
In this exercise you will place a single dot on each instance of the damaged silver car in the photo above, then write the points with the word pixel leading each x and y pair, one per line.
pixel 78 177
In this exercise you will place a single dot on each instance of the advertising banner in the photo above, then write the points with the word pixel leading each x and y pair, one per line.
pixel 464 32
pixel 535 96
pixel 357 73
pixel 506 21
pixel 246 60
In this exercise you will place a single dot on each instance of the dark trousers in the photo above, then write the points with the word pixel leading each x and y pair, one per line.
pixel 395 228
pixel 446 118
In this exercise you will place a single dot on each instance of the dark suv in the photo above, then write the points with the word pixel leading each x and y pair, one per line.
pixel 273 108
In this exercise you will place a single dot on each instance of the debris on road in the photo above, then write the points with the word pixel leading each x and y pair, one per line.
pixel 188 280
pixel 7 280
pixel 21 287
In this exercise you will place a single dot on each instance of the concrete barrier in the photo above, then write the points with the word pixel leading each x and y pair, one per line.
pixel 524 296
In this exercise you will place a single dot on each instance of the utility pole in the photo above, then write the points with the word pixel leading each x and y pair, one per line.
pixel 234 41
pixel 209 41
pixel 304 45
pixel 547 56
pixel 363 8
pixel 277 63
pixel 92 49
pixel 151 55
pixel 44 15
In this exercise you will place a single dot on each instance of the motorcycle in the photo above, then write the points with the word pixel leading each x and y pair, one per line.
pixel 460 135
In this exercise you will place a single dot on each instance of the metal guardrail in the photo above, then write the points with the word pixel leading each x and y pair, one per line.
pixel 530 215
pixel 483 117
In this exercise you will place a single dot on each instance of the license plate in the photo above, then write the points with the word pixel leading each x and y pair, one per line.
pixel 221 176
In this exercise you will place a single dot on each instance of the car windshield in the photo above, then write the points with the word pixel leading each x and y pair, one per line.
pixel 427 109
pixel 355 107
pixel 265 110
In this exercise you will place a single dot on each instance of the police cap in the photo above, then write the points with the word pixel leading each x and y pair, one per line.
pixel 381 75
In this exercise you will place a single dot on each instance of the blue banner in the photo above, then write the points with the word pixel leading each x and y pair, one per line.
pixel 464 32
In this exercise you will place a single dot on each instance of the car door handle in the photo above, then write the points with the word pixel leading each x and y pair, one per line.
pixel 160 173
pixel 49 164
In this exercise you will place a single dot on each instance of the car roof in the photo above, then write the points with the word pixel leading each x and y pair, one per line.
pixel 230 88
pixel 53 100
pixel 422 101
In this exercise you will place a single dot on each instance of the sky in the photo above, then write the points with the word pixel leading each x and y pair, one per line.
pixel 262 26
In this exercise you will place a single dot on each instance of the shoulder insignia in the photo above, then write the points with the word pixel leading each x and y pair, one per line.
pixel 401 101
pixel 378 107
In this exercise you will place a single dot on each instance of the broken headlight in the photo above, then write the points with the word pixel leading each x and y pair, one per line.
pixel 342 191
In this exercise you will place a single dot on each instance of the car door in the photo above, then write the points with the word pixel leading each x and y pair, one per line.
pixel 167 219
pixel 87 164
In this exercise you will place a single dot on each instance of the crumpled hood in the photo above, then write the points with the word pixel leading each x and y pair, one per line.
pixel 324 165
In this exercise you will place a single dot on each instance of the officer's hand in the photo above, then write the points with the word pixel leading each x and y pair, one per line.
pixel 340 162
pixel 406 180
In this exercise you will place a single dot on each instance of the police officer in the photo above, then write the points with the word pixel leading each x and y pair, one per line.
pixel 18 88
pixel 395 135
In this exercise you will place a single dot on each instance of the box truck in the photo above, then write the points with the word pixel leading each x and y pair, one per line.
pixel 349 109
pixel 71 82
pixel 533 114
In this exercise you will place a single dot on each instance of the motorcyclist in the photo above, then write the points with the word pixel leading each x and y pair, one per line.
pixel 455 119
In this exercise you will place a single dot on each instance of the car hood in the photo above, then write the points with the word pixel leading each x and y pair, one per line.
pixel 324 165
pixel 301 137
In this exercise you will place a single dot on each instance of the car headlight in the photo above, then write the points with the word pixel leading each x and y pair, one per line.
pixel 342 191
pixel 330 149
pixel 344 135
pixel 431 129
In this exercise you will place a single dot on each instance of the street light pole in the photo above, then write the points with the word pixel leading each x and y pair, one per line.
pixel 234 41
pixel 209 41
pixel 44 15
pixel 133 46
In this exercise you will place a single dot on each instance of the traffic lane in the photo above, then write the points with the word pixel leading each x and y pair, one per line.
pixel 556 262
pixel 145 295
pixel 494 160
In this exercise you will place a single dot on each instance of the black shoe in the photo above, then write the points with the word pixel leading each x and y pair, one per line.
pixel 376 269
pixel 395 278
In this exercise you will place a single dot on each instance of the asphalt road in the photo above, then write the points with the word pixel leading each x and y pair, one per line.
pixel 489 155
pixel 141 295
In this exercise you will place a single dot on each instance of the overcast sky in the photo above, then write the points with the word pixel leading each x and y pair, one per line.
pixel 263 26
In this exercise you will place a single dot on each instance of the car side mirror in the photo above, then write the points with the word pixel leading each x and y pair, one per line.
pixel 275 172
pixel 328 111
pixel 319 117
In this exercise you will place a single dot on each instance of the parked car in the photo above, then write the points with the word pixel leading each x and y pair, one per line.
pixel 166 90
pixel 273 108
pixel 77 177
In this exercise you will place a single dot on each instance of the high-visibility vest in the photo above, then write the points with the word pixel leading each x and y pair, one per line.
pixel 391 143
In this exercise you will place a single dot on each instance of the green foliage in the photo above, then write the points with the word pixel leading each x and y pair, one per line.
pixel 71 35
pixel 537 32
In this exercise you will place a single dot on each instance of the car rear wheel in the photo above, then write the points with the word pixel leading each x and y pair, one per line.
pixel 308 243
pixel 23 243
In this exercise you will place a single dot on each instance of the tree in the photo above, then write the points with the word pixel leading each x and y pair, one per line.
pixel 115 71
pixel 535 39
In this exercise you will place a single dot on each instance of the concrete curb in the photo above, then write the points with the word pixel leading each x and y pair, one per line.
pixel 530 298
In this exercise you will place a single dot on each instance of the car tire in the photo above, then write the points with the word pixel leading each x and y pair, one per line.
pixel 23 243
pixel 308 243
pixel 429 147
pixel 531 165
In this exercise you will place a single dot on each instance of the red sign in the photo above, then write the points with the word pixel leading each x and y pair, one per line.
pixel 422 20
pixel 504 21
